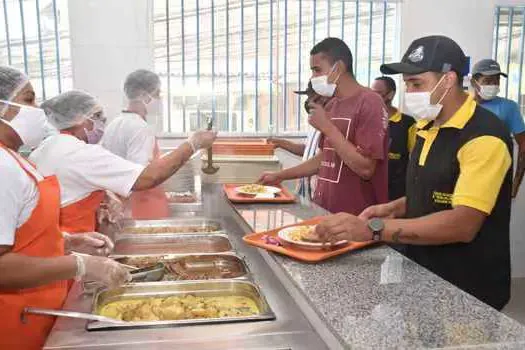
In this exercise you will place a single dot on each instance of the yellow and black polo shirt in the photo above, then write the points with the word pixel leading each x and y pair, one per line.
pixel 465 162
pixel 402 131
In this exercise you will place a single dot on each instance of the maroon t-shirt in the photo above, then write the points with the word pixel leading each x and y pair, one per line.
pixel 363 120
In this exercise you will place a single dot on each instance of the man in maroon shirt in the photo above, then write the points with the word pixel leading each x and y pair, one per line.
pixel 352 168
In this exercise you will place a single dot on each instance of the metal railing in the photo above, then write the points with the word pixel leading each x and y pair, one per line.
pixel 509 50
pixel 34 38
pixel 240 61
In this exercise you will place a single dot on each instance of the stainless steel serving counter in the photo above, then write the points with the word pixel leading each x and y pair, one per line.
pixel 290 329
pixel 372 299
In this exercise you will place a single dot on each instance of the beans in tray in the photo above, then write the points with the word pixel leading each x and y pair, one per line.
pixel 171 229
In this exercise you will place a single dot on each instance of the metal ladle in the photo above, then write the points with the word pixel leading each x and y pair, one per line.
pixel 210 169
pixel 66 313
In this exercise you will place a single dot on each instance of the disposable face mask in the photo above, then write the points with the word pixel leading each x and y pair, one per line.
pixel 322 87
pixel 419 104
pixel 488 92
pixel 94 136
pixel 154 107
pixel 30 124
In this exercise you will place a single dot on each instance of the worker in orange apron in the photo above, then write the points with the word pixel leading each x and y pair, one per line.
pixel 33 268
pixel 86 169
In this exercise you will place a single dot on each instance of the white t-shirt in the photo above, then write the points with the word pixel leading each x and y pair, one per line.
pixel 130 137
pixel 82 168
pixel 18 195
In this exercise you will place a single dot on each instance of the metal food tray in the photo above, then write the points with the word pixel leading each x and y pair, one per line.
pixel 197 222
pixel 182 208
pixel 166 289
pixel 172 244
pixel 208 264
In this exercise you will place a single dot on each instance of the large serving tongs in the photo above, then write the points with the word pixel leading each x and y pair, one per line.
pixel 66 313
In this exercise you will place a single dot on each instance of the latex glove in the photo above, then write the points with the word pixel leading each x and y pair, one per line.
pixel 92 243
pixel 269 178
pixel 111 210
pixel 202 139
pixel 102 270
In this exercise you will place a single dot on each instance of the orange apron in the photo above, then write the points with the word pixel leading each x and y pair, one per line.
pixel 150 204
pixel 81 216
pixel 39 236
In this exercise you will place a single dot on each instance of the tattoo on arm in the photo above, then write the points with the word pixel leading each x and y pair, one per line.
pixel 399 235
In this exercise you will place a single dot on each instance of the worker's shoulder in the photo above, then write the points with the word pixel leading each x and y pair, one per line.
pixel 485 123
pixel 10 170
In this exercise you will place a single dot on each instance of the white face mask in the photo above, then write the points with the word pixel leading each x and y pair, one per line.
pixel 419 105
pixel 30 124
pixel 322 87
pixel 154 107
pixel 488 92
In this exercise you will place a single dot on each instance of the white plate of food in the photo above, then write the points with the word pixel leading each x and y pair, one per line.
pixel 303 236
pixel 255 189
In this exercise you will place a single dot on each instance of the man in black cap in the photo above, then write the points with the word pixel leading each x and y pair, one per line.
pixel 455 217
pixel 486 83
pixel 306 150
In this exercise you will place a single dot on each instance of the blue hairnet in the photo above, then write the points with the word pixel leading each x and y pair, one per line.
pixel 141 83
pixel 11 82
pixel 70 108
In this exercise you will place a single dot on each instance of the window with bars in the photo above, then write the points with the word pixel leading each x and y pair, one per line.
pixel 34 37
pixel 240 61
pixel 509 51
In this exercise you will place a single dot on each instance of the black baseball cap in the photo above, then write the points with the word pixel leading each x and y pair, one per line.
pixel 309 90
pixel 435 53
pixel 487 67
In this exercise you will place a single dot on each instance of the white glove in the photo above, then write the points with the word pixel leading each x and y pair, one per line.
pixel 111 210
pixel 103 270
pixel 202 139
pixel 92 243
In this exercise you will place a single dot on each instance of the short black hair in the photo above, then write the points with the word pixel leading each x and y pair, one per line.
pixel 336 50
pixel 389 82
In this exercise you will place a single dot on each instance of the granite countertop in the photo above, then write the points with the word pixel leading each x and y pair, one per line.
pixel 378 299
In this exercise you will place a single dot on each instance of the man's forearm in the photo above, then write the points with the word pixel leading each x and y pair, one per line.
pixel 520 170
pixel 459 225
pixel 19 272
pixel 292 147
pixel 162 169
pixel 305 169
pixel 359 164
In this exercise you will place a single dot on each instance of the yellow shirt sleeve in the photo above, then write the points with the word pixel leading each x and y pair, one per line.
pixel 412 135
pixel 483 163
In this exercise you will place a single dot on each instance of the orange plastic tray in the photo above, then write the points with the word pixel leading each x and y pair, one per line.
pixel 285 196
pixel 310 256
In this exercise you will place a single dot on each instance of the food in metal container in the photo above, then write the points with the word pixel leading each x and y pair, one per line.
pixel 171 229
pixel 179 308
pixel 192 267
pixel 181 197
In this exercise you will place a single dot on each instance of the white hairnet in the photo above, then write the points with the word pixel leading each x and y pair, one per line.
pixel 141 83
pixel 11 82
pixel 70 108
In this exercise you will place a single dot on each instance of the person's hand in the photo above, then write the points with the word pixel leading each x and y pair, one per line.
pixel 318 118
pixel 111 209
pixel 103 270
pixel 274 141
pixel 383 211
pixel 92 243
pixel 343 226
pixel 270 179
pixel 202 139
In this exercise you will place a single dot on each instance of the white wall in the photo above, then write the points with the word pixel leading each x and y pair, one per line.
pixel 109 39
